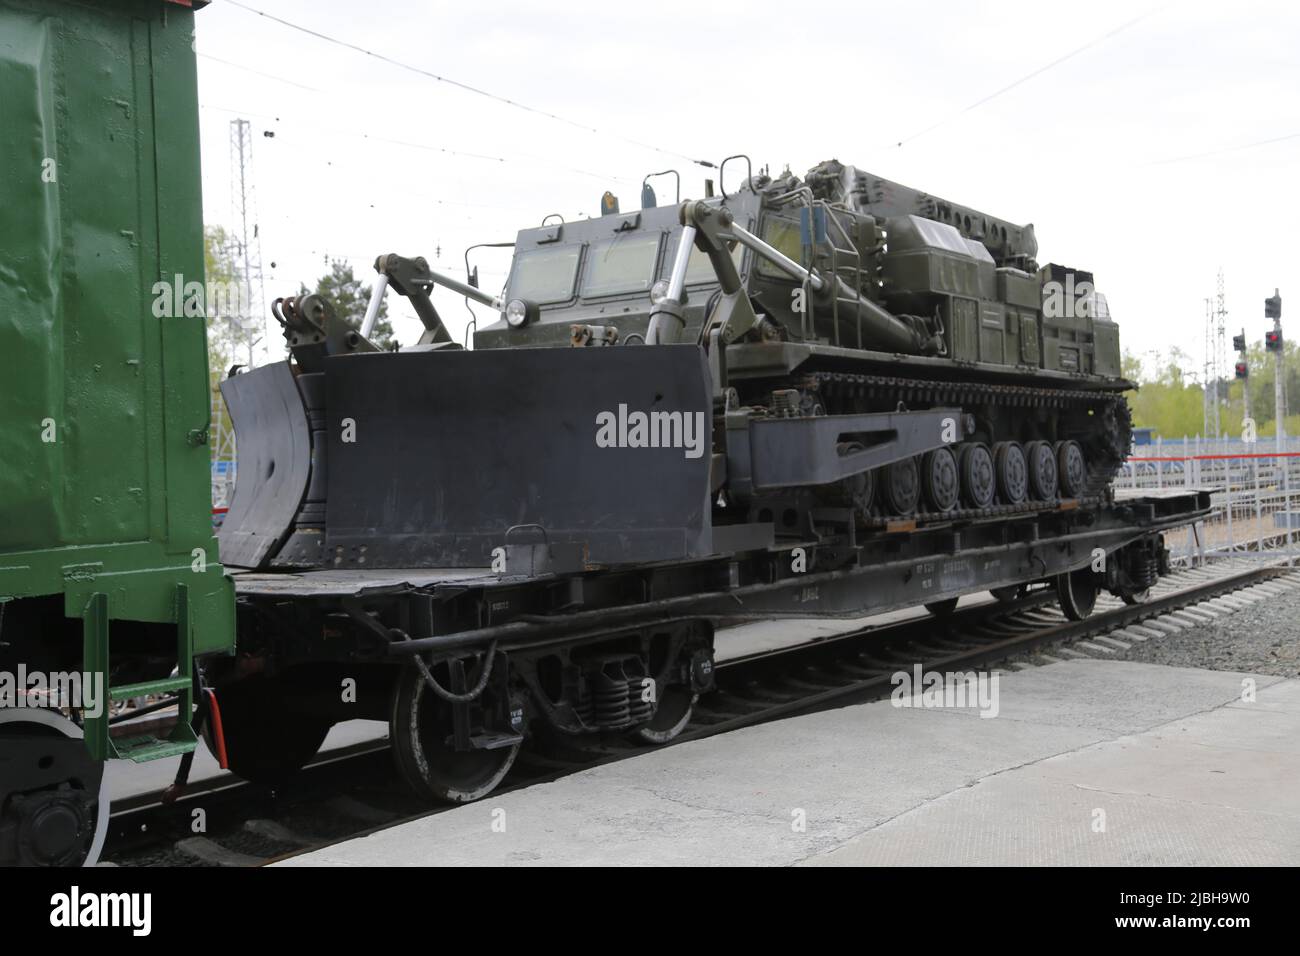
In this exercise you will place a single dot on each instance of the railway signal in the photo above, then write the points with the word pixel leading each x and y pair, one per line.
pixel 1242 371
pixel 1273 343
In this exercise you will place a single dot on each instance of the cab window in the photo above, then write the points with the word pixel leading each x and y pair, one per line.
pixel 699 270
pixel 545 275
pixel 784 236
pixel 625 263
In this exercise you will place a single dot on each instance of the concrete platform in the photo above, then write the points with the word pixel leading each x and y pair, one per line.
pixel 1087 762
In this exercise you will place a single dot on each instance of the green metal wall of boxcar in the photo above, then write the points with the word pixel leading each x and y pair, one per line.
pixel 104 481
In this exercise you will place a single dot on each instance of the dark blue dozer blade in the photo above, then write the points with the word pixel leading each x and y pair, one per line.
pixel 436 458
pixel 273 452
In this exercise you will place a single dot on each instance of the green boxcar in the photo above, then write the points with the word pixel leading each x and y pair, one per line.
pixel 107 558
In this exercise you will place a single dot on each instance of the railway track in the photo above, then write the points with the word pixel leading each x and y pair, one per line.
pixel 355 791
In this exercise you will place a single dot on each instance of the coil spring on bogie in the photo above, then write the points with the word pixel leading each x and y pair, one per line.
pixel 639 709
pixel 1145 571
pixel 615 695
pixel 609 695
pixel 585 711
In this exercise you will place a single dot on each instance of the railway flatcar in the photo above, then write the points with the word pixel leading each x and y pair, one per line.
pixel 821 396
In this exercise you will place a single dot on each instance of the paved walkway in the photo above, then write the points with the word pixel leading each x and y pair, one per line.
pixel 1086 762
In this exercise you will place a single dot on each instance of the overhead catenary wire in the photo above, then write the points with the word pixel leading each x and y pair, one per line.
pixel 1226 149
pixel 428 147
pixel 466 87
pixel 1026 78
pixel 249 69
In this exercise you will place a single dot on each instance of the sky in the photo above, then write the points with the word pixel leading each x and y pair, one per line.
pixel 1150 144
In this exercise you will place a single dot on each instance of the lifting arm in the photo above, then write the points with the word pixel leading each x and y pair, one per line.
pixel 414 279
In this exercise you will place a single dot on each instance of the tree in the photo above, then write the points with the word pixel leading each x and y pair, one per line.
pixel 1174 406
pixel 350 299
pixel 226 342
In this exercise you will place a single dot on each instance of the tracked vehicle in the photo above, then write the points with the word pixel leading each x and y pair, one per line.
pixel 846 294
pixel 828 396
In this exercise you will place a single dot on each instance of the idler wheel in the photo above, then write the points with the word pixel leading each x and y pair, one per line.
pixel 1012 472
pixel 901 487
pixel 1072 468
pixel 857 491
pixel 939 469
pixel 977 481
pixel 1041 459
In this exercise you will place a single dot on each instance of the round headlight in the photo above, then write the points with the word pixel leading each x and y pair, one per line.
pixel 659 291
pixel 517 313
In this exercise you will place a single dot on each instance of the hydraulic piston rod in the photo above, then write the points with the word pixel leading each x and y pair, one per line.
pixel 777 258
pixel 462 288
pixel 372 310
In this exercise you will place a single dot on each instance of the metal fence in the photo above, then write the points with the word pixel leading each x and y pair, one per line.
pixel 1255 494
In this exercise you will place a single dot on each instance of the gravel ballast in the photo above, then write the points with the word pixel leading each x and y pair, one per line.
pixel 1263 638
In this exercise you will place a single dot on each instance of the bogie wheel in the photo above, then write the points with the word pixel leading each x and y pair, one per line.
pixel 1012 472
pixel 421 729
pixel 672 716
pixel 1041 460
pixel 1136 597
pixel 1077 593
pixel 942 608
pixel 54 801
pixel 1009 594
pixel 266 743
pixel 1072 468
pixel 859 490
pixel 942 485
pixel 901 487
pixel 978 484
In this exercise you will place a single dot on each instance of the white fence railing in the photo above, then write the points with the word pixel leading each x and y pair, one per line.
pixel 1255 494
